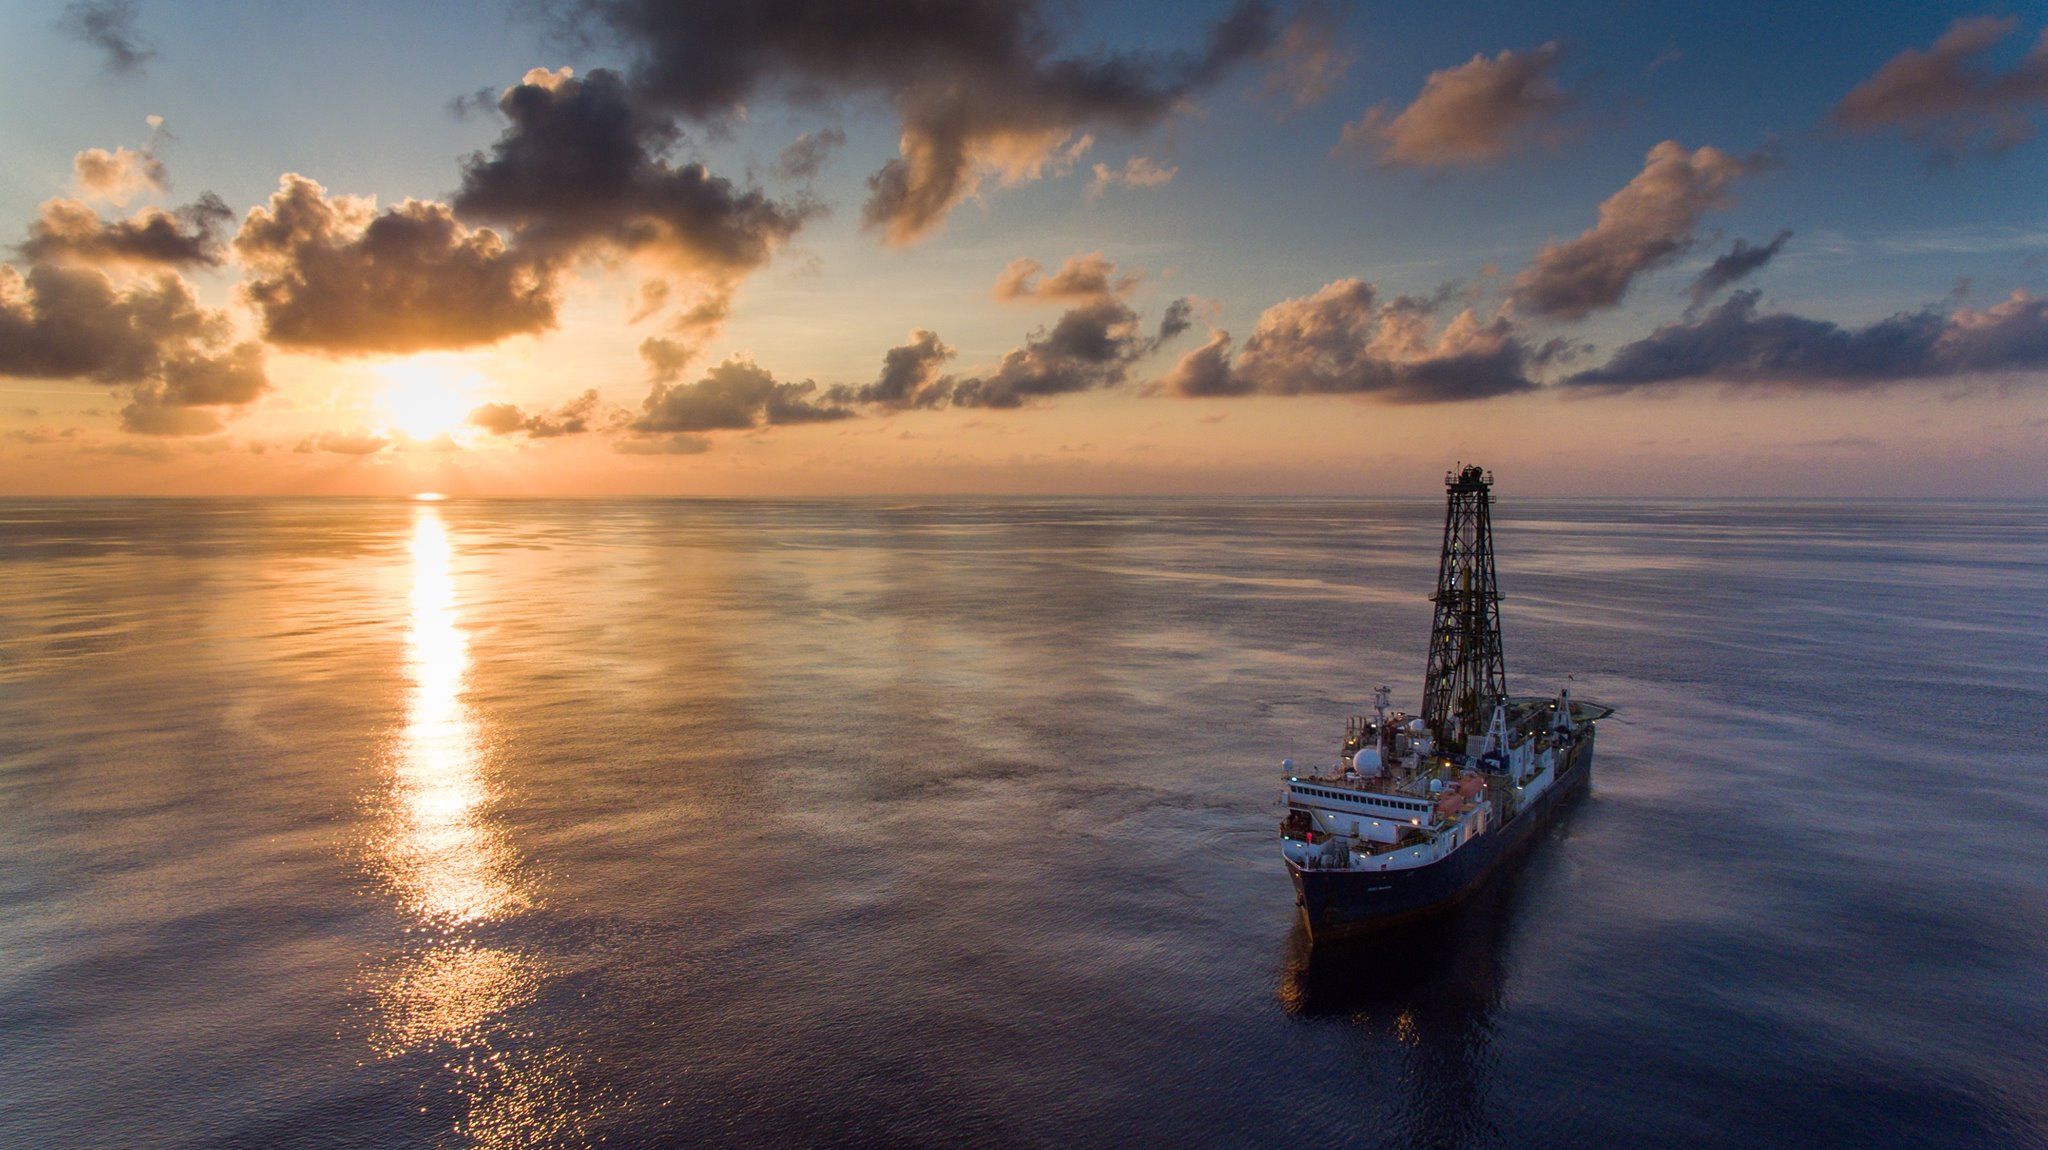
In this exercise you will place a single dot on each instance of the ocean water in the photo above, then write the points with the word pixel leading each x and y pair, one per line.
pixel 925 823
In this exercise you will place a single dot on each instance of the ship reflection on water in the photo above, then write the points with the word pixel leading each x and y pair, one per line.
pixel 1430 990
pixel 454 874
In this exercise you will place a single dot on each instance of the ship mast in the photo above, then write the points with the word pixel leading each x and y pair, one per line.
pixel 1465 676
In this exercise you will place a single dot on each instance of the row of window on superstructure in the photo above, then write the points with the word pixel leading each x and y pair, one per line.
pixel 1360 798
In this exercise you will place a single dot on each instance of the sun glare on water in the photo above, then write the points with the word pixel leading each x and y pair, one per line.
pixel 426 397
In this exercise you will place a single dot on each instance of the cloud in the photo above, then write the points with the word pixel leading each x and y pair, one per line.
pixel 1137 172
pixel 499 418
pixel 736 395
pixel 355 442
pixel 160 419
pixel 37 436
pixel 1475 113
pixel 666 358
pixel 654 296
pixel 806 155
pixel 334 274
pixel 68 230
pixel 1081 277
pixel 664 445
pixel 1643 226
pixel 1178 318
pixel 65 321
pixel 1738 263
pixel 1344 340
pixel 120 175
pixel 1309 60
pixel 1736 346
pixel 110 26
pixel 1090 346
pixel 910 376
pixel 1945 99
pixel 580 169
pixel 573 417
pixel 978 88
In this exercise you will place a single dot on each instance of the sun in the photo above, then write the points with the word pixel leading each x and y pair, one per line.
pixel 426 396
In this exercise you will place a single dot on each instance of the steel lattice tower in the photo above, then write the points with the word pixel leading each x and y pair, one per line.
pixel 1465 674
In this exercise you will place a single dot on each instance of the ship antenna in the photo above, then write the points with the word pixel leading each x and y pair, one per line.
pixel 1466 675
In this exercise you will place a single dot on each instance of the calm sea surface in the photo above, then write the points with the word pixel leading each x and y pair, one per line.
pixel 952 822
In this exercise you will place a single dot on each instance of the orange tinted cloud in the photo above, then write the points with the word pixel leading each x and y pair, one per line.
pixel 1643 226
pixel 1472 114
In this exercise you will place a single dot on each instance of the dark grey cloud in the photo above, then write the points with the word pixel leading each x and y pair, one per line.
pixel 736 395
pixel 192 390
pixel 582 165
pixel 151 337
pixel 911 377
pixel 978 85
pixel 1177 319
pixel 334 274
pixel 1736 264
pixel 1091 346
pixel 110 26
pixel 1643 226
pixel 468 105
pixel 805 156
pixel 1947 99
pixel 183 237
pixel 1475 113
pixel 572 417
pixel 1344 340
pixel 1736 345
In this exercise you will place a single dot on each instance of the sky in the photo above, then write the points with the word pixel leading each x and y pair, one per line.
pixel 761 247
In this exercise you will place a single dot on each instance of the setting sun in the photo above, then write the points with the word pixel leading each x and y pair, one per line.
pixel 426 396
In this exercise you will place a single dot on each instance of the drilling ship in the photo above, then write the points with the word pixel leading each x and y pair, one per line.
pixel 1419 810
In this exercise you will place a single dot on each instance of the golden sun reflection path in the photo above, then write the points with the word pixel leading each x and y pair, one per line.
pixel 449 863
pixel 453 872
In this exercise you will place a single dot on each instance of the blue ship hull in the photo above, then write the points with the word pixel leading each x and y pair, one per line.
pixel 1337 903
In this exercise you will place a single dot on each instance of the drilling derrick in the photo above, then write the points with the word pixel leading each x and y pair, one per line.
pixel 1465 674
